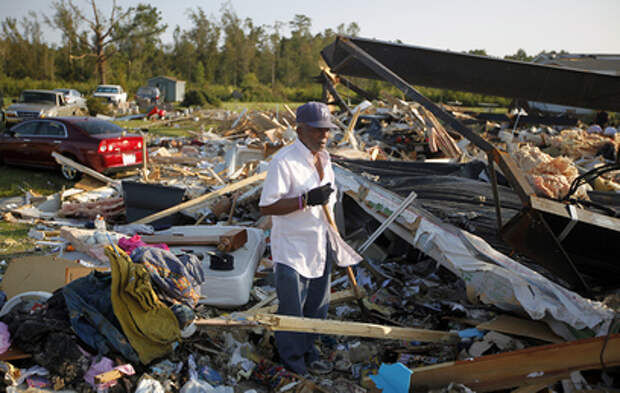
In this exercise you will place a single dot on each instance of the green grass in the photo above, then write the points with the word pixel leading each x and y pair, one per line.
pixel 15 181
pixel 239 106
pixel 14 239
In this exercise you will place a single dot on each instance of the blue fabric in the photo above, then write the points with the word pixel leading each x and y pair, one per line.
pixel 301 297
pixel 92 316
pixel 177 278
pixel 393 378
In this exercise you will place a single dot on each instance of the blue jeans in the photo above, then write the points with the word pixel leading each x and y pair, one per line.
pixel 301 297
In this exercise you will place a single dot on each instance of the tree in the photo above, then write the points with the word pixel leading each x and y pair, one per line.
pixel 29 55
pixel 106 33
pixel 204 36
pixel 141 48
pixel 520 56
pixel 479 52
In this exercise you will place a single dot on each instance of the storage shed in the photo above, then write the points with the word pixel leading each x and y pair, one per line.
pixel 171 88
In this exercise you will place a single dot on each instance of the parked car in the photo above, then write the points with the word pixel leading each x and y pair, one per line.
pixel 33 104
pixel 95 143
pixel 73 96
pixel 114 93
pixel 148 95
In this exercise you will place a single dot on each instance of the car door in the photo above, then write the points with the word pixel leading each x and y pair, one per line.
pixel 50 135
pixel 16 143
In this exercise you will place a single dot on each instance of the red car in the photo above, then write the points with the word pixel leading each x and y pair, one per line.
pixel 98 144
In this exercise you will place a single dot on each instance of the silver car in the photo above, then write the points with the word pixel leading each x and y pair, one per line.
pixel 73 96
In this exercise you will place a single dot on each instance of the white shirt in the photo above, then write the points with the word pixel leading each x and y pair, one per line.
pixel 594 129
pixel 298 239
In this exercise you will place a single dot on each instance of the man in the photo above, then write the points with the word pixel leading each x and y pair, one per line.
pixel 300 180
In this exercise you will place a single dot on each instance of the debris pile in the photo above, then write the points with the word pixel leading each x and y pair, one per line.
pixel 162 280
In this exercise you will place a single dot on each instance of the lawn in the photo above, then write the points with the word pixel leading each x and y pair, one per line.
pixel 239 106
pixel 14 239
pixel 15 181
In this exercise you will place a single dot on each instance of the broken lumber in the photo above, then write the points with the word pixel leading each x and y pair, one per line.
pixel 530 366
pixel 285 323
pixel 203 198
pixel 230 241
pixel 347 328
pixel 62 160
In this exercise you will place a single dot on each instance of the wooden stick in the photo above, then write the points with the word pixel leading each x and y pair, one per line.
pixel 232 209
pixel 356 288
pixel 203 198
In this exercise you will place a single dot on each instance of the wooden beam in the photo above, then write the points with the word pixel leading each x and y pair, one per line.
pixel 347 328
pixel 203 198
pixel 62 160
pixel 529 366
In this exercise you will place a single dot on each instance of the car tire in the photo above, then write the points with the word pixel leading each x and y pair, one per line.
pixel 70 173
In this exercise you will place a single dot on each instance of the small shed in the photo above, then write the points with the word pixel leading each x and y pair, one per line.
pixel 171 88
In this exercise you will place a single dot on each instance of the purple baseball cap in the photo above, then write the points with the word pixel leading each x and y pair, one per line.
pixel 315 114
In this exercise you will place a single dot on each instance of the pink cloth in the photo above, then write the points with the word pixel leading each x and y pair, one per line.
pixel 102 366
pixel 5 338
pixel 130 244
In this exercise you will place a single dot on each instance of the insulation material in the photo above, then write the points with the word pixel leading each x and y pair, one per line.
pixel 550 176
pixel 576 143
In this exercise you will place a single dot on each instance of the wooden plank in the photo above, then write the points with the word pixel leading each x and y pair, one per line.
pixel 521 327
pixel 62 160
pixel 347 328
pixel 203 198
pixel 524 367
pixel 230 241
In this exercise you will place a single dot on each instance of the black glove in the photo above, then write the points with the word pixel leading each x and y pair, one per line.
pixel 319 195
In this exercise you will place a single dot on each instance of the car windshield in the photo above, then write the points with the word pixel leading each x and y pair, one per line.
pixel 107 89
pixel 63 91
pixel 37 96
pixel 98 127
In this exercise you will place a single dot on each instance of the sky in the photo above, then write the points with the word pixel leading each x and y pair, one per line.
pixel 500 27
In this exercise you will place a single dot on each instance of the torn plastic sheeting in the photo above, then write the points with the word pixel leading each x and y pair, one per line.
pixel 494 277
